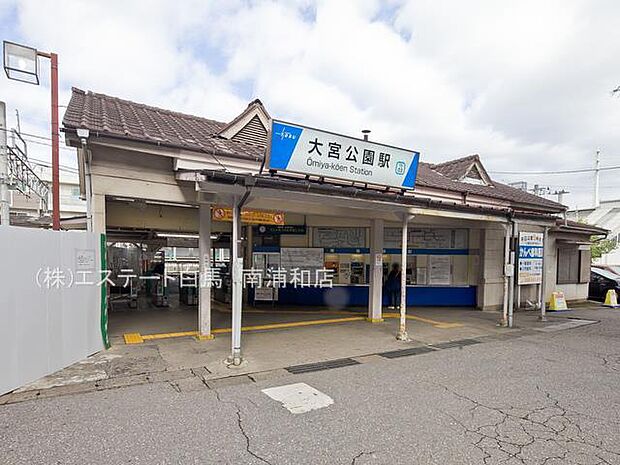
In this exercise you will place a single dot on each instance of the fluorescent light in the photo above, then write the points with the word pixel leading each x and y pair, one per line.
pixel 184 235
pixel 179 235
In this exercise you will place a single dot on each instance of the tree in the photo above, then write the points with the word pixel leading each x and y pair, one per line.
pixel 602 246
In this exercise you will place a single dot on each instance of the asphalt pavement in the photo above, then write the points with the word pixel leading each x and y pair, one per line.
pixel 544 398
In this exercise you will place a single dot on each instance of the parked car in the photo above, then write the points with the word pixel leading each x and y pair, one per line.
pixel 613 268
pixel 602 280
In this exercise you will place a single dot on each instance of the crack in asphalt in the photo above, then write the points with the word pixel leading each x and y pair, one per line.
pixel 248 446
pixel 360 455
pixel 515 433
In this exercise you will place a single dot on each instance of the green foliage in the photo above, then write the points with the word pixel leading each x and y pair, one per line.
pixel 602 247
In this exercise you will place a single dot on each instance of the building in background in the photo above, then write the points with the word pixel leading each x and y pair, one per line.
pixel 26 211
pixel 607 216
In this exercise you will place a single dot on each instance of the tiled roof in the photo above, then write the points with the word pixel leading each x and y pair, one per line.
pixel 456 169
pixel 429 176
pixel 114 117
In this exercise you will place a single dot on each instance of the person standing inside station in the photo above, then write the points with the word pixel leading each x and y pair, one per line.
pixel 392 286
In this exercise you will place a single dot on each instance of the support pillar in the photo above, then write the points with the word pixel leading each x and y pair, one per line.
pixel 204 294
pixel 507 273
pixel 237 291
pixel 98 213
pixel 402 327
pixel 543 283
pixel 375 290
pixel 511 283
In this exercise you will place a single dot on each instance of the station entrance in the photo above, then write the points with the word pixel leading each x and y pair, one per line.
pixel 159 250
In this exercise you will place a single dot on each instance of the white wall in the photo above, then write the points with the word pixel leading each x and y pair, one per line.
pixel 44 330
pixel 572 292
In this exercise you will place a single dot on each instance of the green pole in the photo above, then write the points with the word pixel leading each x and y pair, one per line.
pixel 104 294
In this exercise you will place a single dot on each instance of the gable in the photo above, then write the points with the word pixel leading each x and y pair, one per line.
pixel 250 126
pixel 252 133
pixel 474 176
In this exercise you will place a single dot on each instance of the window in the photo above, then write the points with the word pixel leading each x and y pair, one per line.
pixel 573 266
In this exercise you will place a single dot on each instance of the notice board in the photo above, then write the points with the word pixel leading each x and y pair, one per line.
pixel 304 258
pixel 531 253
pixel 339 237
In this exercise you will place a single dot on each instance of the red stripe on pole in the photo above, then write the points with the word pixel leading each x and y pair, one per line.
pixel 55 145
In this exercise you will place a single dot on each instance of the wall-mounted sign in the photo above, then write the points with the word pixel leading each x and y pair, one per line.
pixel 276 229
pixel 249 216
pixel 531 254
pixel 310 151
pixel 339 237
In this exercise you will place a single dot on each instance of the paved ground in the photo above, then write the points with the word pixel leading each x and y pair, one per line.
pixel 268 350
pixel 545 397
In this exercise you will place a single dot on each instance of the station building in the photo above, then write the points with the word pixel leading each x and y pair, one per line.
pixel 163 187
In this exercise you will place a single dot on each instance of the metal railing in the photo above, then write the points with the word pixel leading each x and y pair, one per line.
pixel 21 176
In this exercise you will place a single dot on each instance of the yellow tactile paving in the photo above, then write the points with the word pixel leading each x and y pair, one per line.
pixel 133 338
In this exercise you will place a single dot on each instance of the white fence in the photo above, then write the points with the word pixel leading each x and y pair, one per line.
pixel 50 316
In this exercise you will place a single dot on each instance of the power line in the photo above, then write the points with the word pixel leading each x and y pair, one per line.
pixel 534 173
pixel 31 135
pixel 47 164
pixel 30 141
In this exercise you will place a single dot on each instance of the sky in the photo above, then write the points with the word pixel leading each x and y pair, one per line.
pixel 526 85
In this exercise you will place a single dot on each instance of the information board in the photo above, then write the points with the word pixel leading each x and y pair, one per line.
pixel 339 237
pixel 304 258
pixel 439 269
pixel 531 254
pixel 427 238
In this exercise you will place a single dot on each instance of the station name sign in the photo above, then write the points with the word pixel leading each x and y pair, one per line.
pixel 304 150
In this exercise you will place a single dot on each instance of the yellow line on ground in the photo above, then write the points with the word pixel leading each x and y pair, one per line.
pixel 293 324
pixel 137 338
pixel 292 312
pixel 435 323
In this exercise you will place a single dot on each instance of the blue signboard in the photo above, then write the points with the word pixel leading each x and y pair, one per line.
pixel 310 151
pixel 531 253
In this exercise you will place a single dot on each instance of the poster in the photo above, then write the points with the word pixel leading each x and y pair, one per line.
pixel 440 269
pixel 531 253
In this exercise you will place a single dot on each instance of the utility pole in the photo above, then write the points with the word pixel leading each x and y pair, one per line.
pixel 5 213
pixel 597 163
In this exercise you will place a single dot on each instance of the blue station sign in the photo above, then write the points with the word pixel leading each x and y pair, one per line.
pixel 311 151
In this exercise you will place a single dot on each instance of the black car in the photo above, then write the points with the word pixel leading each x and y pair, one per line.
pixel 602 280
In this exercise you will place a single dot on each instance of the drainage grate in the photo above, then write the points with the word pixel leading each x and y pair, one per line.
pixel 310 367
pixel 406 352
pixel 459 343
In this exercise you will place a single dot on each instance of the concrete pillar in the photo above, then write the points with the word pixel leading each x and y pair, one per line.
pixel 513 279
pixel 237 290
pixel 375 289
pixel 204 250
pixel 543 283
pixel 507 272
pixel 98 213
pixel 402 327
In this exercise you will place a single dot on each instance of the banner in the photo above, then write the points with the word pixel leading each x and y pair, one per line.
pixel 249 216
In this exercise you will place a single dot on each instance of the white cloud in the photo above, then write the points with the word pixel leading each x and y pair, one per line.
pixel 527 84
